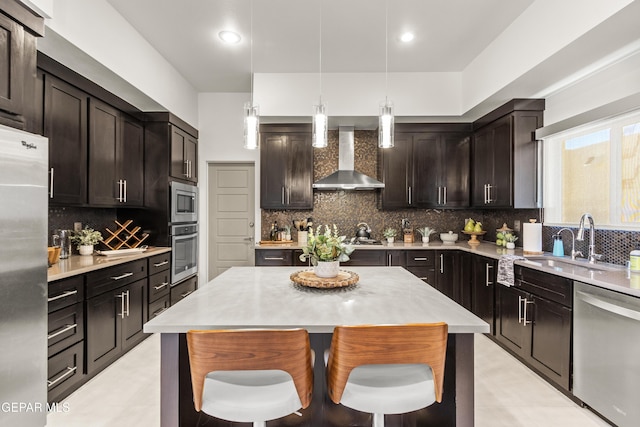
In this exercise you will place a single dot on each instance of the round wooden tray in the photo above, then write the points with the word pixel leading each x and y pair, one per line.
pixel 309 279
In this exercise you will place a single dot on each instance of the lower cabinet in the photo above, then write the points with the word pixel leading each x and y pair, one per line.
pixel 483 285
pixel 274 257
pixel 422 264
pixel 366 258
pixel 183 289
pixel 159 284
pixel 534 322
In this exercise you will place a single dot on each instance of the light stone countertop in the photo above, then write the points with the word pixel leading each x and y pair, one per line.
pixel 80 264
pixel 265 297
pixel 608 276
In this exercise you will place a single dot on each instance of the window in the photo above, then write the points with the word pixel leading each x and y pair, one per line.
pixel 594 169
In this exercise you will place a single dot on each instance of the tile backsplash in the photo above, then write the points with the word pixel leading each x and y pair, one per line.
pixel 96 218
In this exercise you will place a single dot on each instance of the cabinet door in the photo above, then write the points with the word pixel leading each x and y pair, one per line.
pixel 482 155
pixel 103 340
pixel 191 157
pixel 299 179
pixel 454 181
pixel 366 258
pixel 447 278
pixel 11 66
pixel 426 166
pixel 274 257
pixel 510 328
pixel 65 124
pixel 550 350
pixel 183 289
pixel 131 161
pixel 273 169
pixel 501 192
pixel 178 165
pixel 397 258
pixel 104 137
pixel 396 173
pixel 136 314
pixel 483 288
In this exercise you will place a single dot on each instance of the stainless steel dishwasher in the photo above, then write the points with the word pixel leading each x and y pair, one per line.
pixel 606 353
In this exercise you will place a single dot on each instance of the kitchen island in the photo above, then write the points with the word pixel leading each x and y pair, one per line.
pixel 264 297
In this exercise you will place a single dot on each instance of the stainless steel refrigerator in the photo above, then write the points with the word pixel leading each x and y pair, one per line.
pixel 23 278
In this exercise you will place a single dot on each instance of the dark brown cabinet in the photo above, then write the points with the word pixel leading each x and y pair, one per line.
pixel 483 285
pixel 534 322
pixel 366 257
pixel 116 156
pixel 183 289
pixel 286 168
pixel 65 124
pixel 275 257
pixel 184 155
pixel 426 169
pixel 422 263
pixel 505 157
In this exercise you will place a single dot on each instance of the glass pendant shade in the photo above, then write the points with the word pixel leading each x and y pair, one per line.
pixel 319 131
pixel 386 125
pixel 251 126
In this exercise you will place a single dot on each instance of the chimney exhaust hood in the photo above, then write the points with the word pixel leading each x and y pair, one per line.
pixel 346 178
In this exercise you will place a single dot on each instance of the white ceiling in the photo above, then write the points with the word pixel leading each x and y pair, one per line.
pixel 449 34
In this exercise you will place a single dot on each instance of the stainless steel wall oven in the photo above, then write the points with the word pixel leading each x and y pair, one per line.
pixel 184 251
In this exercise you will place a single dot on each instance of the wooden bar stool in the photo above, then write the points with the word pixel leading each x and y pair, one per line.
pixel 250 375
pixel 387 369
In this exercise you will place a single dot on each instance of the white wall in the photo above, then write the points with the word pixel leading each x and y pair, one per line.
pixel 97 29
pixel 221 140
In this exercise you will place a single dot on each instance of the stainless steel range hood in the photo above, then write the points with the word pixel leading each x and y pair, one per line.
pixel 346 178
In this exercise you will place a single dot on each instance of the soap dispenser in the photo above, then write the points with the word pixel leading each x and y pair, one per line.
pixel 558 245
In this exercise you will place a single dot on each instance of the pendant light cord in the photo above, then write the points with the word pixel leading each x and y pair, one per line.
pixel 320 55
pixel 386 51
pixel 251 47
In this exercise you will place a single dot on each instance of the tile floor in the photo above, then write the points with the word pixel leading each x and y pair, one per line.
pixel 507 394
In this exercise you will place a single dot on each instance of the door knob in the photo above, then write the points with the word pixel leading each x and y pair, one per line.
pixel 251 224
pixel 248 238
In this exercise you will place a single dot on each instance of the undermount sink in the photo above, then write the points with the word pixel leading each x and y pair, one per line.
pixel 568 264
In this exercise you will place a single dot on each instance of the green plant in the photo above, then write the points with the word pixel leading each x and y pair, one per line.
pixel 326 246
pixel 86 236
pixel 390 232
pixel 502 238
pixel 425 231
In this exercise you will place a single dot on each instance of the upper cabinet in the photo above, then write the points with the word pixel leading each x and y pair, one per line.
pixel 184 152
pixel 506 156
pixel 65 124
pixel 19 27
pixel 286 167
pixel 116 157
pixel 427 168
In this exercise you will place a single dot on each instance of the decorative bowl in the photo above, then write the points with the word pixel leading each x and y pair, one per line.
pixel 449 237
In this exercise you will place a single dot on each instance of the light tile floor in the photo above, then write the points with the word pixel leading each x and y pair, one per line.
pixel 127 394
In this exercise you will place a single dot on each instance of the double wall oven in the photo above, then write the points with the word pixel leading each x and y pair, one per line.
pixel 184 231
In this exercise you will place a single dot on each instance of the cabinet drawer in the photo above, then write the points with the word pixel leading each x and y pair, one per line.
pixel 102 281
pixel 159 285
pixel 65 327
pixel 158 306
pixel 158 263
pixel 64 371
pixel 549 286
pixel 183 289
pixel 277 257
pixel 64 293
pixel 364 257
pixel 426 274
pixel 421 258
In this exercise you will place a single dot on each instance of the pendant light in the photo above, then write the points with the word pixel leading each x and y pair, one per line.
pixel 251 111
pixel 386 119
pixel 319 119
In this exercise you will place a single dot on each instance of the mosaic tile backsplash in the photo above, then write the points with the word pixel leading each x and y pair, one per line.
pixel 64 217
pixel 347 208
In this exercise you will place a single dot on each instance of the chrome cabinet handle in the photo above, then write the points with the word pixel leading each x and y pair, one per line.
pixel 121 296
pixel 128 302
pixel 441 263
pixel 526 322
pixel 186 168
pixel 423 278
pixel 410 198
pixel 389 260
pixel 163 285
pixel 122 276
pixel 419 259
pixel 63 376
pixel 282 195
pixel 62 330
pixel 488 268
pixel 51 183
pixel 439 191
pixel 520 304
pixel 444 195
pixel 274 258
pixel 160 264
pixel 489 199
pixel 186 294
pixel 124 197
pixel 63 295
pixel 155 313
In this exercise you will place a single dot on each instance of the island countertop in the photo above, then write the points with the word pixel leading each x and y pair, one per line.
pixel 265 297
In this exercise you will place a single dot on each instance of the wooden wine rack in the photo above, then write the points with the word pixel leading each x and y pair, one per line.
pixel 123 237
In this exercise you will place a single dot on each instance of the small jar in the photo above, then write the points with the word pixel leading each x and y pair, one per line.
pixel 634 260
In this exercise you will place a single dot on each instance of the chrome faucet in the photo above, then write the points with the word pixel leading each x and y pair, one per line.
pixel 593 256
pixel 574 253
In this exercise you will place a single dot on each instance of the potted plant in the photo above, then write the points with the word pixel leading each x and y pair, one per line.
pixel 85 239
pixel 390 233
pixel 425 232
pixel 326 250
pixel 510 240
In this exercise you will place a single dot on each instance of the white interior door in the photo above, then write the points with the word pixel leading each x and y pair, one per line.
pixel 231 216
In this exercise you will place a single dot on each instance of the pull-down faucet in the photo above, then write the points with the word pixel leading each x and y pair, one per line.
pixel 593 256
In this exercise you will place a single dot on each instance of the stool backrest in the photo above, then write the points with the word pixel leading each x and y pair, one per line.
pixel 352 346
pixel 225 350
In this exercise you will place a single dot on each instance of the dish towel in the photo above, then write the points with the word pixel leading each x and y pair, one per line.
pixel 505 269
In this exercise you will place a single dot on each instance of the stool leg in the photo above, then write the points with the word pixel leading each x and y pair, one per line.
pixel 259 424
pixel 378 420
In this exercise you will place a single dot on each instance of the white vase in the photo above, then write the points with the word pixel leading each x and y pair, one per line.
pixel 390 239
pixel 425 239
pixel 85 249
pixel 327 269
pixel 511 245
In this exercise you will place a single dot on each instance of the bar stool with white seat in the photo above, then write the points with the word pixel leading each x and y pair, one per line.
pixel 387 369
pixel 250 375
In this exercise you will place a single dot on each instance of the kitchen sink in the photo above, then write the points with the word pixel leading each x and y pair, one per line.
pixel 569 264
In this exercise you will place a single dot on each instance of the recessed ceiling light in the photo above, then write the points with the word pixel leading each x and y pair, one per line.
pixel 230 37
pixel 406 37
